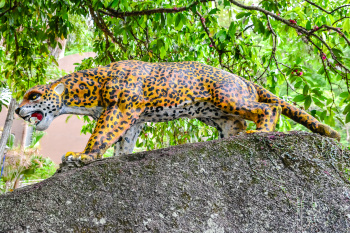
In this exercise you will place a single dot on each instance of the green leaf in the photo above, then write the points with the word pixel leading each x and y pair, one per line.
pixel 337 52
pixel 344 94
pixel 256 24
pixel 125 37
pixel 323 115
pixel 214 11
pixel 2 3
pixel 317 102
pixel 321 70
pixel 299 98
pixel 298 84
pixel 346 109
pixel 346 25
pixel 308 25
pixel 232 29
pixel 261 27
pixel 114 4
pixel 242 14
pixel 162 52
pixel 178 22
pixel 299 59
pixel 340 120
pixel 306 90
pixel 307 102
pixel 221 35
pixel 169 19
pixel 347 119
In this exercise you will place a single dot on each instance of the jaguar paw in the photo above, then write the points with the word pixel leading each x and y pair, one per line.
pixel 257 131
pixel 252 131
pixel 75 156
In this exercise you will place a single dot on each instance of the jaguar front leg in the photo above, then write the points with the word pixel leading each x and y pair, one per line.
pixel 111 125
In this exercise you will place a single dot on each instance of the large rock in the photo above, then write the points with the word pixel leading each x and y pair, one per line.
pixel 293 182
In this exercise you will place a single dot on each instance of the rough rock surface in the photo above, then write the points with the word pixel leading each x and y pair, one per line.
pixel 295 182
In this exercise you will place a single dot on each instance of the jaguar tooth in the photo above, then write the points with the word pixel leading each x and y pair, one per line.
pixel 33 120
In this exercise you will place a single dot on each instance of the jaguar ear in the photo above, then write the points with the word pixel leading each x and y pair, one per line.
pixel 59 88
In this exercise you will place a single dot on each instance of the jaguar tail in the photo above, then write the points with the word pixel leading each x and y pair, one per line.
pixel 296 114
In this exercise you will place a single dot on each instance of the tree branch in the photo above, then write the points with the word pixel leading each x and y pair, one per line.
pixel 7 127
pixel 328 62
pixel 17 46
pixel 328 12
pixel 273 52
pixel 329 81
pixel 245 29
pixel 255 8
pixel 346 17
pixel 206 30
pixel 101 24
pixel 338 31
pixel 10 9
pixel 293 25
pixel 331 52
pixel 108 52
pixel 115 13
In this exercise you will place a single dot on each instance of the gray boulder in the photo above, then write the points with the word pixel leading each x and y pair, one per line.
pixel 296 182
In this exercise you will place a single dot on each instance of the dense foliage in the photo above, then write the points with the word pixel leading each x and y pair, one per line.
pixel 299 50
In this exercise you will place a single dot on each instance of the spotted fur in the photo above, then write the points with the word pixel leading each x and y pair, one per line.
pixel 124 95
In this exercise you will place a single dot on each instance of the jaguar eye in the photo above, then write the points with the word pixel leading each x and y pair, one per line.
pixel 34 96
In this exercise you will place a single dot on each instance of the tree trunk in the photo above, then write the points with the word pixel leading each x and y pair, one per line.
pixel 58 52
pixel 24 136
pixel 262 182
pixel 7 127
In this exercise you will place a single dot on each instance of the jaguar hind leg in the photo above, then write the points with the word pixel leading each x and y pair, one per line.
pixel 227 126
pixel 128 141
pixel 264 115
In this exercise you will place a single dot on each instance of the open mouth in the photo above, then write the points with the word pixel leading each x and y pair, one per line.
pixel 35 117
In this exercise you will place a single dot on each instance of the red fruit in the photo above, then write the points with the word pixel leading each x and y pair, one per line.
pixel 293 21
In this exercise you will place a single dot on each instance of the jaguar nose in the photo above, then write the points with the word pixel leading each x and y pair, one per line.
pixel 17 110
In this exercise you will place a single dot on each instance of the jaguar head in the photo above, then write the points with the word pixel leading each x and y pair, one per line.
pixel 41 104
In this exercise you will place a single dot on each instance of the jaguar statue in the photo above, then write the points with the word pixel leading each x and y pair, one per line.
pixel 122 96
